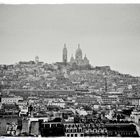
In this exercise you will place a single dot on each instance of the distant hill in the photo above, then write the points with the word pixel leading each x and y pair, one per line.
pixel 57 76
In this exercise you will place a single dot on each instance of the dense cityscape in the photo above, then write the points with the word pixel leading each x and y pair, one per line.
pixel 71 98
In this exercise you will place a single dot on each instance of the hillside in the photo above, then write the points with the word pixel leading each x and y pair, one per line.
pixel 48 76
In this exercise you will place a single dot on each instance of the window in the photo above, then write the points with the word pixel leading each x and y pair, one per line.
pixel 100 130
pixel 58 125
pixel 53 125
pixel 95 130
pixel 68 135
pixel 75 135
pixel 47 125
pixel 71 135
pixel 82 135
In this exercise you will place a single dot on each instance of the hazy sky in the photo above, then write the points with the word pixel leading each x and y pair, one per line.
pixel 108 34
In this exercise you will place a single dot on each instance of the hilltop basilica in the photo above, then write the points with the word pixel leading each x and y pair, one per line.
pixel 78 61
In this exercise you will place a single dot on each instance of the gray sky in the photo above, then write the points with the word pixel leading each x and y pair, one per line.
pixel 108 34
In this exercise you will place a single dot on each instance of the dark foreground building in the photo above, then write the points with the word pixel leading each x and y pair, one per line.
pixel 51 129
pixel 59 129
pixel 121 130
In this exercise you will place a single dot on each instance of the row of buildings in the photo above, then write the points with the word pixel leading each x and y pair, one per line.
pixel 70 109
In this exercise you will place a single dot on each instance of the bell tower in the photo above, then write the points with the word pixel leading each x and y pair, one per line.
pixel 64 54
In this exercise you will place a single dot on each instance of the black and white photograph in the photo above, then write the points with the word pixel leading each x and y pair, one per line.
pixel 70 70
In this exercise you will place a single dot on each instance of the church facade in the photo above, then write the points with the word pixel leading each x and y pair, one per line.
pixel 78 60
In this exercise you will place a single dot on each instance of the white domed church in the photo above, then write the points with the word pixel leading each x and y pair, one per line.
pixel 78 60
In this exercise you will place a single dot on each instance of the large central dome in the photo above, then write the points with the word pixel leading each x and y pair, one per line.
pixel 78 54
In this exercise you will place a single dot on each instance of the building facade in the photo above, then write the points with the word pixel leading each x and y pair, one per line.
pixel 79 60
pixel 11 100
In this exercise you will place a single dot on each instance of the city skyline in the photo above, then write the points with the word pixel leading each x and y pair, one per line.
pixel 69 70
pixel 107 34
